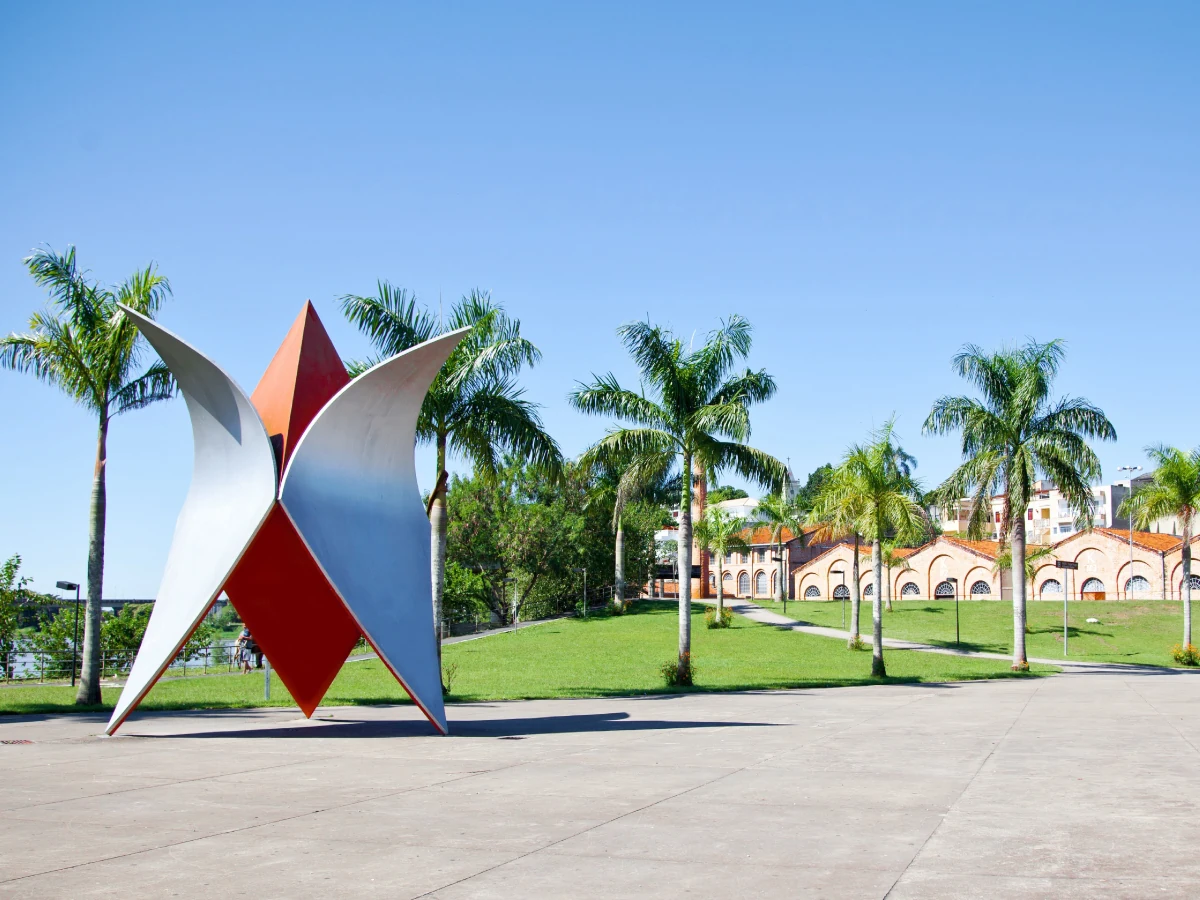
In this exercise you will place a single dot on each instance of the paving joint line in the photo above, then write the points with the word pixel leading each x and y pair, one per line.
pixel 967 787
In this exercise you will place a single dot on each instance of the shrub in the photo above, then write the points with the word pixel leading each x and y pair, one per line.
pixel 1186 655
pixel 857 643
pixel 711 620
pixel 449 673
pixel 679 673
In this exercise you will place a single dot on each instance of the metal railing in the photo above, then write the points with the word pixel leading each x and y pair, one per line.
pixel 28 666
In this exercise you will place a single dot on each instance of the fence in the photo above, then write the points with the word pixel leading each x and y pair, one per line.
pixel 38 666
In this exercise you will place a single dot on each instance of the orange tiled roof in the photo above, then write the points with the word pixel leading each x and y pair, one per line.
pixel 761 534
pixel 990 549
pixel 1147 540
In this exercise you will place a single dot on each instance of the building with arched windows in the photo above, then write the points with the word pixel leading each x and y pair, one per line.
pixel 1110 567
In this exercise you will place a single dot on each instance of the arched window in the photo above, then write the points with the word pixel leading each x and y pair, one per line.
pixel 727 578
pixel 1138 584
pixel 744 584
pixel 944 589
pixel 910 590
pixel 1051 586
pixel 712 581
pixel 841 592
pixel 981 588
pixel 869 590
pixel 760 584
pixel 812 592
pixel 774 583
pixel 1194 582
pixel 1093 586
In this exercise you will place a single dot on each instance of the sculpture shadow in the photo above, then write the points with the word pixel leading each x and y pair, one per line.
pixel 495 728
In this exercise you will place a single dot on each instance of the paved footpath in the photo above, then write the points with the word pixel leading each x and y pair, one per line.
pixel 1084 784
pixel 757 613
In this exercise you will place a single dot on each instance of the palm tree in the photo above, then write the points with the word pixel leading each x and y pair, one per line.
pixel 835 517
pixel 781 514
pixel 474 407
pixel 874 483
pixel 620 483
pixel 1174 490
pixel 891 560
pixel 720 534
pixel 87 348
pixel 1009 436
pixel 696 411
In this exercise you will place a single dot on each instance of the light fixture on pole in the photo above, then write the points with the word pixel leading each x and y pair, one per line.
pixel 72 586
pixel 1067 567
pixel 1130 470
pixel 842 572
pixel 954 583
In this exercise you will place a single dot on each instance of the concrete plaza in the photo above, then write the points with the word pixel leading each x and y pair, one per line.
pixel 1085 784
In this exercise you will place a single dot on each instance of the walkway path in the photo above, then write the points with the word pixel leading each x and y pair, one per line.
pixel 756 613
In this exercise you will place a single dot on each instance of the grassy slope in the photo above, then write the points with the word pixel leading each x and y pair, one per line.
pixel 597 657
pixel 1129 632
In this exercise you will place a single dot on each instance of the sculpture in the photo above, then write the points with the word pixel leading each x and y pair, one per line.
pixel 304 509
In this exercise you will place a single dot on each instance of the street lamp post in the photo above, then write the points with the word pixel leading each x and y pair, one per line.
pixel 1130 470
pixel 779 559
pixel 72 586
pixel 1067 568
pixel 842 572
pixel 954 582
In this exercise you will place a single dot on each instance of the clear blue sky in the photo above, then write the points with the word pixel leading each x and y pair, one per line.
pixel 872 184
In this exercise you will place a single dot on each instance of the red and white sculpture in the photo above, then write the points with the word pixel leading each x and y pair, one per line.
pixel 304 508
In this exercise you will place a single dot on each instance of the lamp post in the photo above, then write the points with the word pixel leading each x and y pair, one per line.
pixel 779 559
pixel 954 583
pixel 842 572
pixel 72 586
pixel 1130 470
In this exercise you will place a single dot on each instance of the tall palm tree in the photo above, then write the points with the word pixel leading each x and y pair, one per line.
pixel 1011 434
pixel 835 516
pixel 86 347
pixel 875 483
pixel 694 408
pixel 1174 490
pixel 720 534
pixel 474 407
pixel 781 514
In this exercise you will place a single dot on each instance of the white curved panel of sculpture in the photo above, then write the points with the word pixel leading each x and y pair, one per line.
pixel 351 490
pixel 232 490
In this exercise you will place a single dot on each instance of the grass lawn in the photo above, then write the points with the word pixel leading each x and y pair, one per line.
pixel 597 657
pixel 1129 631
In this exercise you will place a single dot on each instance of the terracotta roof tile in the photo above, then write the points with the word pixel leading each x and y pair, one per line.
pixel 761 534
pixel 1147 540
pixel 990 549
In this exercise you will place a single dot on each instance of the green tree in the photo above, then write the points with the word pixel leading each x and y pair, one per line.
pixel 694 409
pixel 892 559
pixel 1013 432
pixel 781 514
pixel 806 497
pixel 720 534
pixel 726 492
pixel 474 408
pixel 1174 490
pixel 874 484
pixel 14 592
pixel 86 347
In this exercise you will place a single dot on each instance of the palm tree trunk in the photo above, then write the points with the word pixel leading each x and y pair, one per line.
pixel 720 588
pixel 877 667
pixel 1020 663
pixel 438 519
pixel 619 573
pixel 701 505
pixel 889 588
pixel 1187 578
pixel 855 595
pixel 88 692
pixel 780 588
pixel 685 568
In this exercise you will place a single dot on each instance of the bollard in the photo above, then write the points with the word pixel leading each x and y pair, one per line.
pixel 266 679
